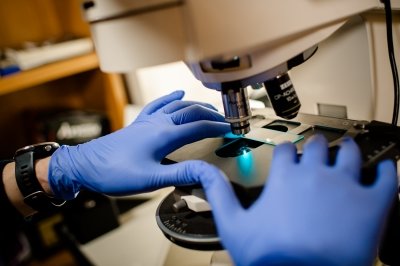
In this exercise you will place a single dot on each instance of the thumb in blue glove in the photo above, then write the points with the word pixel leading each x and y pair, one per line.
pixel 128 161
pixel 309 213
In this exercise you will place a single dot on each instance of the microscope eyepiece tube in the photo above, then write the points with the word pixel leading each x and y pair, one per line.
pixel 282 96
pixel 237 109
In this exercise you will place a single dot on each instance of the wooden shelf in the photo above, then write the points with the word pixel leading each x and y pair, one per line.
pixel 72 84
pixel 49 72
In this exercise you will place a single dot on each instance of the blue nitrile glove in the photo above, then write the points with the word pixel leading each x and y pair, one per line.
pixel 309 213
pixel 128 161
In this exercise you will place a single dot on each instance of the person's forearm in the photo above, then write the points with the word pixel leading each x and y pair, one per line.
pixel 12 190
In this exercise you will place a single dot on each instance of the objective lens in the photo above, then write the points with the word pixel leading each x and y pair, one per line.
pixel 237 109
pixel 282 96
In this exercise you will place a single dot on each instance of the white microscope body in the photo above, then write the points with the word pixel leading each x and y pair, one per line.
pixel 231 44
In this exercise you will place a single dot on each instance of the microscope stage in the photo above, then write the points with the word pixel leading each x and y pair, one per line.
pixel 246 162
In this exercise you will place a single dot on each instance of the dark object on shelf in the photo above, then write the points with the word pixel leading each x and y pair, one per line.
pixel 70 127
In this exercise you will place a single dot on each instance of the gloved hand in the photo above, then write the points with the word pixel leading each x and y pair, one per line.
pixel 309 213
pixel 128 160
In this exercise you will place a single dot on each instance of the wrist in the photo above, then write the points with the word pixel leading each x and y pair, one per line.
pixel 42 174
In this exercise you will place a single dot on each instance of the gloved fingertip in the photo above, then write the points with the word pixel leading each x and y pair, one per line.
pixel 219 192
pixel 385 186
pixel 178 94
pixel 317 139
pixel 285 145
pixel 348 158
pixel 286 152
pixel 386 175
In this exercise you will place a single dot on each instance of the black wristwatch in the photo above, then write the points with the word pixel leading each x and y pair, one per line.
pixel 33 193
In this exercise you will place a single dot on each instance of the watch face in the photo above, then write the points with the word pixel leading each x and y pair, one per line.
pixel 41 150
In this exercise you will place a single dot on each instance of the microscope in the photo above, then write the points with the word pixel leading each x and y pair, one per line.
pixel 230 46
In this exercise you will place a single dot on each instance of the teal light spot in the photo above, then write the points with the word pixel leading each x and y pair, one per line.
pixel 230 135
pixel 245 165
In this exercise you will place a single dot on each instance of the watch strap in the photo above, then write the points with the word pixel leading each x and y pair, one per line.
pixel 26 175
